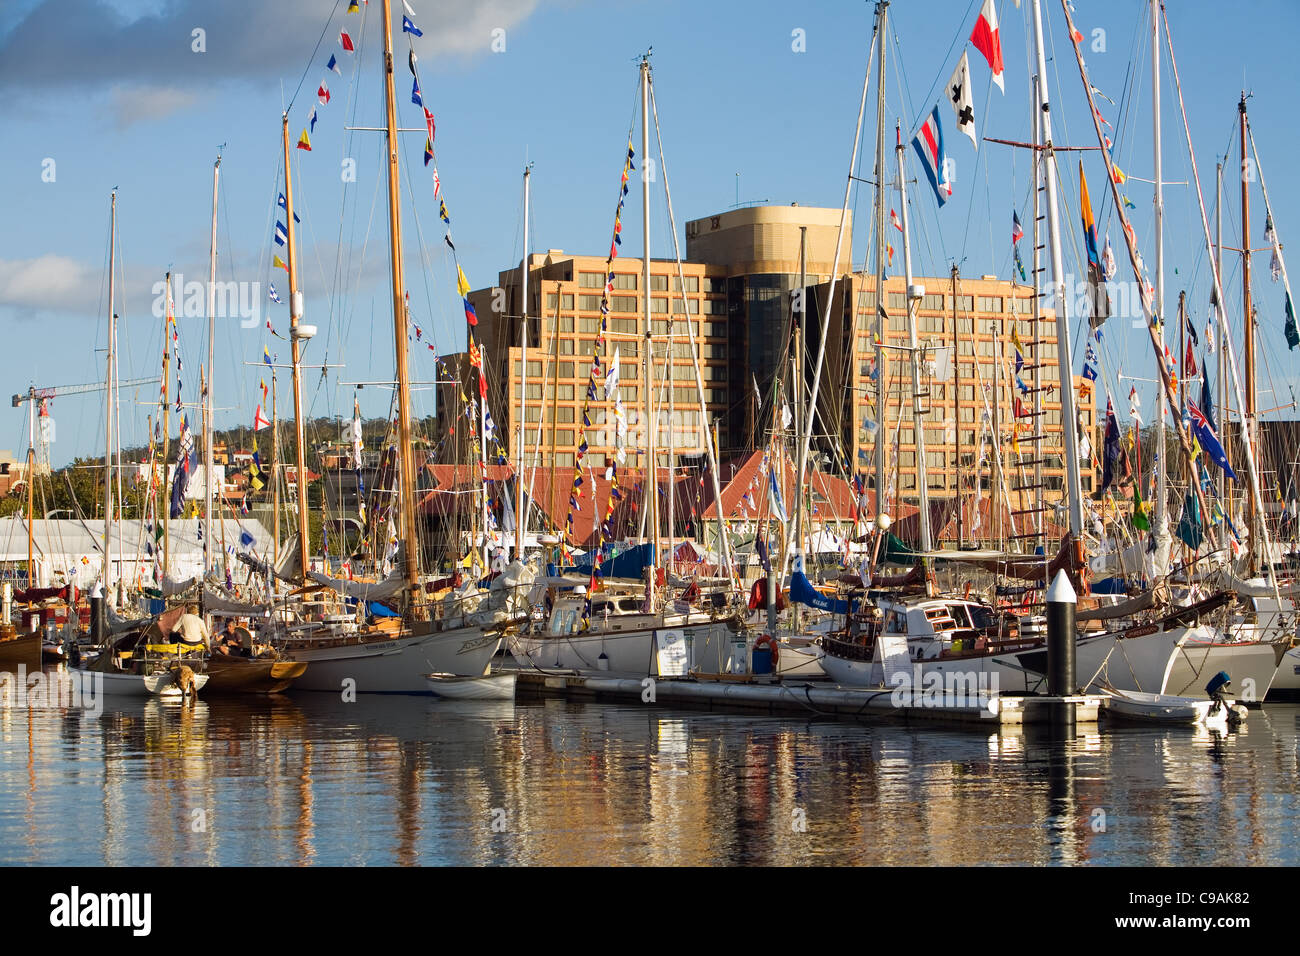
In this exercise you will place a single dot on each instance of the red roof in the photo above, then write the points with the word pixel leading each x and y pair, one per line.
pixel 833 498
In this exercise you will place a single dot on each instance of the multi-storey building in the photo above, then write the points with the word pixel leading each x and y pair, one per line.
pixel 741 274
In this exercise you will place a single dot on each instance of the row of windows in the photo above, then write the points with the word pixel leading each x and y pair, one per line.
pixel 658 283
pixel 937 301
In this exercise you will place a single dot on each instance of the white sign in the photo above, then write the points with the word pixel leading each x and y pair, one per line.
pixel 890 658
pixel 672 652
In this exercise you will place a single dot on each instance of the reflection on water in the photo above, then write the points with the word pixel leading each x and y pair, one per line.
pixel 406 780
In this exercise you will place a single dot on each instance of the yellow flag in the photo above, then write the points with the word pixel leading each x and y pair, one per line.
pixel 304 142
pixel 279 263
pixel 462 284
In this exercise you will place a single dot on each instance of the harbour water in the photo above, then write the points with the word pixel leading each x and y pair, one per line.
pixel 310 779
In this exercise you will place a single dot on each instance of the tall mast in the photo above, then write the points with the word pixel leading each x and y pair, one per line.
pixel 647 365
pixel 1248 326
pixel 956 408
pixel 523 375
pixel 295 349
pixel 1069 418
pixel 882 452
pixel 912 300
pixel 1161 529
pixel 1218 270
pixel 168 318
pixel 207 393
pixel 405 451
pixel 108 395
pixel 1034 266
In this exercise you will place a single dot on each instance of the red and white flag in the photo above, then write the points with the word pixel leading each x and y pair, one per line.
pixel 437 183
pixel 323 94
pixel 346 41
pixel 893 218
pixel 259 420
pixel 986 40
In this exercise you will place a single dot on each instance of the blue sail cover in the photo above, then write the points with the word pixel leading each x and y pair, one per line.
pixel 802 591
pixel 629 564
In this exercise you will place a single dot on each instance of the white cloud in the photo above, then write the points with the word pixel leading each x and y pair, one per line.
pixel 48 283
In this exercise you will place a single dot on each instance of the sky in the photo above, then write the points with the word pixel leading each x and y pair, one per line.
pixel 757 102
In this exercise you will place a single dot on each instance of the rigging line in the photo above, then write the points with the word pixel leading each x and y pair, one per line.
pixel 958 37
pixel 315 49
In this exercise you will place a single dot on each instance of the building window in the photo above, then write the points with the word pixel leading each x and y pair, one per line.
pixel 589 303
pixel 534 369
pixel 564 414
pixel 552 300
pixel 715 306
pixel 658 304
pixel 564 458
pixel 535 392
pixel 532 413
pixel 933 301
pixel 692 284
pixel 965 303
pixel 866 299
pixel 566 323
pixel 623 303
pixel 990 303
pixel 714 284
pixel 897 300
pixel 566 370
pixel 627 326
pixel 625 280
pixel 591 280
pixel 658 283
pixel 566 346
pixel 588 326
pixel 564 436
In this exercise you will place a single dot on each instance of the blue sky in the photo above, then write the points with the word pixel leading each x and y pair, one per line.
pixel 115 95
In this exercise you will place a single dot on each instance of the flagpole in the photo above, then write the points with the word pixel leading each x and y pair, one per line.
pixel 523 375
pixel 882 438
pixel 295 350
pixel 1221 480
pixel 1161 529
pixel 275 479
pixel 651 498
pixel 956 409
pixel 1248 424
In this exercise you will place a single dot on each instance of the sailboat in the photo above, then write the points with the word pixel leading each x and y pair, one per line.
pixel 595 624
pixel 343 648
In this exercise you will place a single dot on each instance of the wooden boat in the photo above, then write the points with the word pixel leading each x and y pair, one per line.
pixel 251 675
pixel 499 686
pixel 19 649
pixel 131 666
pixel 1169 709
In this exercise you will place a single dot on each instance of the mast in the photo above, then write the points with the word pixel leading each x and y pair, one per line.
pixel 1069 431
pixel 108 395
pixel 275 469
pixel 1248 414
pixel 1218 270
pixel 882 451
pixel 956 408
pixel 1161 530
pixel 802 422
pixel 647 365
pixel 31 500
pixel 295 348
pixel 208 468
pixel 523 373
pixel 1035 268
pixel 913 298
pixel 995 492
pixel 168 318
pixel 405 450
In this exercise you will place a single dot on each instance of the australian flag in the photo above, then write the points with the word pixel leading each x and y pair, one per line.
pixel 1111 454
pixel 1209 441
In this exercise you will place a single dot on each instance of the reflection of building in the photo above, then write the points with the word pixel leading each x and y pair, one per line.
pixel 741 277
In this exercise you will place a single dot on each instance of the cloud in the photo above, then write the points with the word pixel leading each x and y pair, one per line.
pixel 131 103
pixel 48 283
pixel 62 45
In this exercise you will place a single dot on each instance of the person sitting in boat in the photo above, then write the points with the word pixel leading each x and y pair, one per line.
pixel 231 644
pixel 190 628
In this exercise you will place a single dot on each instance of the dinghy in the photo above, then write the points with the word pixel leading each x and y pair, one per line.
pixel 488 687
pixel 1169 709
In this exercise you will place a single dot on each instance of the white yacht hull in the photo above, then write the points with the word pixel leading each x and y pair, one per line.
pixel 998 673
pixel 1252 666
pixel 623 653
pixel 397 666
pixel 488 687
pixel 1286 684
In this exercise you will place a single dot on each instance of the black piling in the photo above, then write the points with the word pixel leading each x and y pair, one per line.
pixel 1061 680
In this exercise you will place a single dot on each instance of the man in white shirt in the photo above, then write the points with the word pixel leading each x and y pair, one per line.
pixel 190 628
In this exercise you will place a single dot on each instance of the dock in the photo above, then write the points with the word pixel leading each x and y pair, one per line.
pixel 809 698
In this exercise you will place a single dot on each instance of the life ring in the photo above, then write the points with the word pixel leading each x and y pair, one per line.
pixel 767 639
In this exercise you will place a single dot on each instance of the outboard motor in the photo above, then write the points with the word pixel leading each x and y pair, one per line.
pixel 1219 690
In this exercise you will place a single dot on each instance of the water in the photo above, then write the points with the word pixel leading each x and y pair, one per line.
pixel 406 780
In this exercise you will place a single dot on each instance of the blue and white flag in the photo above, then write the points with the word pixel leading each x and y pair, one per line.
pixel 774 494
pixel 929 146
pixel 280 234
pixel 411 28
pixel 272 294
pixel 280 202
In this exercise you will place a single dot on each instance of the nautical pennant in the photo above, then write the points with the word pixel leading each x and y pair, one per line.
pixel 985 39
pixel 960 97
pixel 928 143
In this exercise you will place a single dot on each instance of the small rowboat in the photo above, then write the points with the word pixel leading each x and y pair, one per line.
pixel 486 687
pixel 1168 709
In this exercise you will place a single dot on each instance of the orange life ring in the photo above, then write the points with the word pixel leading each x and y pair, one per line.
pixel 767 639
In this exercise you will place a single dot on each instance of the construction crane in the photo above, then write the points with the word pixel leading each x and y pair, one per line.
pixel 43 395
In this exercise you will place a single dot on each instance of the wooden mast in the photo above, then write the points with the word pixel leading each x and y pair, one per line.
pixel 295 347
pixel 31 501
pixel 208 467
pixel 405 435
pixel 108 395
pixel 956 409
